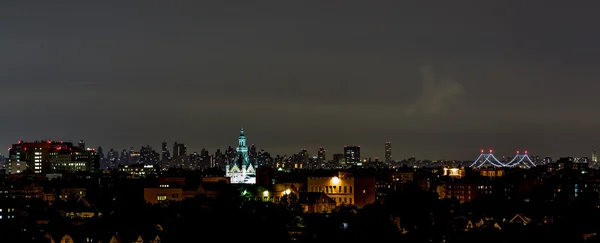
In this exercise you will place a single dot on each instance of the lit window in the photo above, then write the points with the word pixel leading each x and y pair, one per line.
pixel 161 198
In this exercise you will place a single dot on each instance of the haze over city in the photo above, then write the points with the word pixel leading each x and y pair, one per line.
pixel 438 82
pixel 299 121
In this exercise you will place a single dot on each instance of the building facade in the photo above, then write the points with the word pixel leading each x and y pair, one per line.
pixel 352 155
pixel 51 156
pixel 388 152
pixel 240 169
pixel 339 188
pixel 345 188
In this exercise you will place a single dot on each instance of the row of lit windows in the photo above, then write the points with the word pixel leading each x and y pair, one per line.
pixel 331 189
pixel 164 197
pixel 347 200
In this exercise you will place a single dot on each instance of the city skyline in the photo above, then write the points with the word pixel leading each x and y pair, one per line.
pixel 438 81
pixel 313 151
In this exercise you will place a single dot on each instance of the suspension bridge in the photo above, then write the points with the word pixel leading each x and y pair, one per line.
pixel 485 158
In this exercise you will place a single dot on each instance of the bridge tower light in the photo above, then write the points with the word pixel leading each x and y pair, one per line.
pixel 517 151
pixel 525 151
pixel 491 151
pixel 482 151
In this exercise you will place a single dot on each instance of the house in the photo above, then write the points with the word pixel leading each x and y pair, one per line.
pixel 464 224
pixel 520 219
pixel 77 208
pixel 135 239
pixel 75 236
pixel 316 202
pixel 211 189
pixel 160 194
pixel 70 238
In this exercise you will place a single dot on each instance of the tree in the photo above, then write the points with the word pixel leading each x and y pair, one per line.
pixel 290 203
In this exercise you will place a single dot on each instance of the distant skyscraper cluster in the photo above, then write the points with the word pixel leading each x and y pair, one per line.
pixel 239 163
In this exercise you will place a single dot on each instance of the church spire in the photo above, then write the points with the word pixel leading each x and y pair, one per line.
pixel 242 131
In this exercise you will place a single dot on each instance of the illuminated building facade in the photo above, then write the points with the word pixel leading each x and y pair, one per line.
pixel 352 155
pixel 388 152
pixel 241 170
pixel 454 172
pixel 139 170
pixel 345 188
pixel 492 172
pixel 463 191
pixel 158 195
pixel 339 188
pixel 51 156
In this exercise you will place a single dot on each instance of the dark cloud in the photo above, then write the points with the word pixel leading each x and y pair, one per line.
pixel 508 74
pixel 438 95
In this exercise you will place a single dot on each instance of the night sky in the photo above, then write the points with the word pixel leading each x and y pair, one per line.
pixel 439 79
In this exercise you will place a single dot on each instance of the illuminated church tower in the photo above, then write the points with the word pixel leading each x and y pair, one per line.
pixel 241 170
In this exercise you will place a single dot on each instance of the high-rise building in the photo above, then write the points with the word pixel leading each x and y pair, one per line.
pixel 175 150
pixel 113 158
pixel 51 156
pixel 179 150
pixel 594 156
pixel 166 156
pixel 148 156
pixel 102 158
pixel 124 157
pixel 321 155
pixel 352 155
pixel 182 150
pixel 338 158
pixel 388 151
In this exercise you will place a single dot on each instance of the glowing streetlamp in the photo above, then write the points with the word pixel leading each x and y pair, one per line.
pixel 335 180
pixel 287 191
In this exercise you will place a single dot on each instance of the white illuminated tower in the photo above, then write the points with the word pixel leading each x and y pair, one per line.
pixel 594 157
pixel 241 170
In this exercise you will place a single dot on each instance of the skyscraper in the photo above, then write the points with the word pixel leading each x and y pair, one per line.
pixel 594 157
pixel 321 155
pixel 165 155
pixel 388 151
pixel 175 151
pixel 352 155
